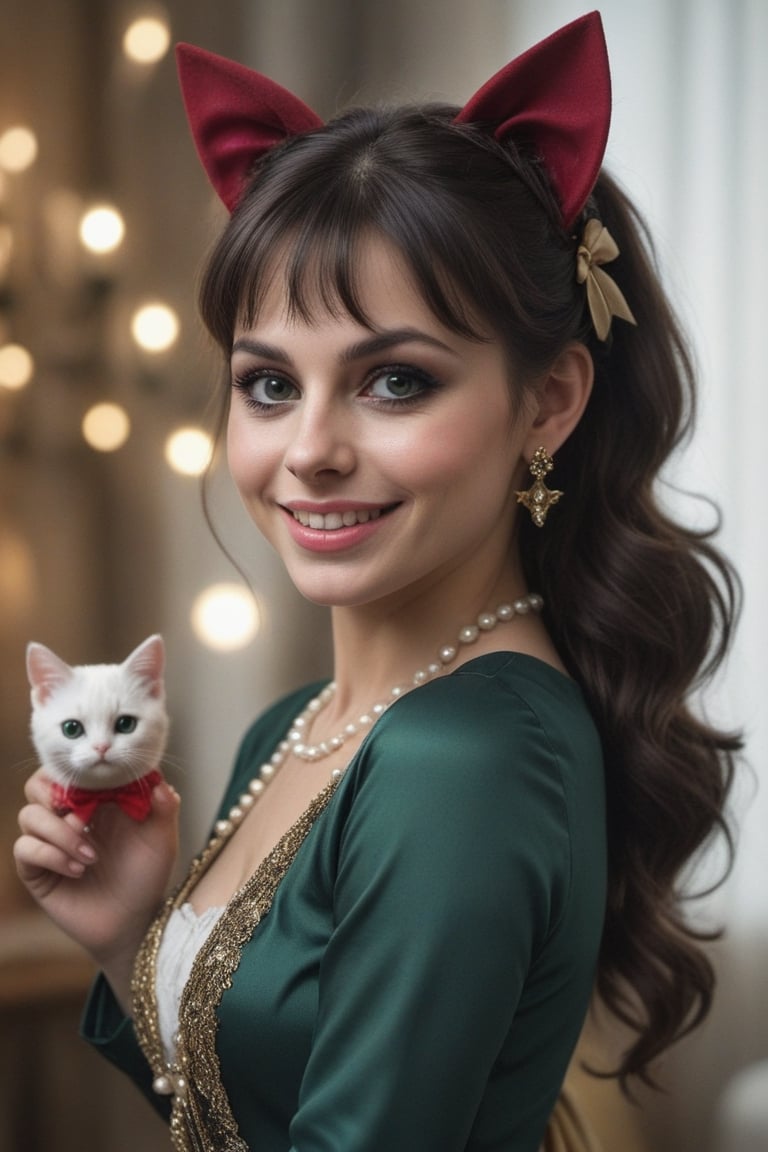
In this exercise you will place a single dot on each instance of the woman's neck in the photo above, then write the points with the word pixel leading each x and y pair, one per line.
pixel 379 646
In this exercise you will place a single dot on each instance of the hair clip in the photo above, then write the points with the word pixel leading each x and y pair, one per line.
pixel 604 297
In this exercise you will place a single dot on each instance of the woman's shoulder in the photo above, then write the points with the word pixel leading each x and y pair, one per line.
pixel 497 703
pixel 503 727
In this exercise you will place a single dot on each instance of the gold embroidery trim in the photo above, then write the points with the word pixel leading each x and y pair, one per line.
pixel 201 1116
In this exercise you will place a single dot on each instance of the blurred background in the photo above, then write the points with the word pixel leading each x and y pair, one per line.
pixel 105 423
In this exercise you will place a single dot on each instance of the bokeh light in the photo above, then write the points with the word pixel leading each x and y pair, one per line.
pixel 102 229
pixel 146 40
pixel 16 367
pixel 225 617
pixel 155 327
pixel 106 427
pixel 18 148
pixel 188 451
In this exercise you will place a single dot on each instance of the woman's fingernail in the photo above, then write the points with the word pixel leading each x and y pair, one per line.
pixel 85 852
pixel 76 868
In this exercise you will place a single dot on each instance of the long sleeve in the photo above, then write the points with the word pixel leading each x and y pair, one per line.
pixel 443 977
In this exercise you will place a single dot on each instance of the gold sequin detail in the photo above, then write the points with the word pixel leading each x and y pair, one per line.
pixel 201 1116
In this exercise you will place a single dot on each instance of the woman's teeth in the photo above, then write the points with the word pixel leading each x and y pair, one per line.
pixel 333 520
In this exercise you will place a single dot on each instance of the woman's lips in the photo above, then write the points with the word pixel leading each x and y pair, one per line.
pixel 331 521
pixel 336 529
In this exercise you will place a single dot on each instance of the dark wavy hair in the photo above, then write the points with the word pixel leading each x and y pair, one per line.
pixel 641 608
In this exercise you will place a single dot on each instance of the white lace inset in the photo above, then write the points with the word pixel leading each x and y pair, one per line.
pixel 184 936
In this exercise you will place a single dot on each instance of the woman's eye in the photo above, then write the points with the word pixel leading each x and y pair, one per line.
pixel 400 384
pixel 265 389
pixel 72 729
pixel 125 724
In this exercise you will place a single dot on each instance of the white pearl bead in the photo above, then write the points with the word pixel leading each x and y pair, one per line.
pixel 236 814
pixel 469 634
pixel 434 669
pixel 246 801
pixel 365 719
pixel 396 691
pixel 521 607
pixel 350 729
pixel 337 774
pixel 256 787
pixel 420 677
pixel 378 709
pixel 267 771
pixel 486 621
pixel 447 654
pixel 314 705
pixel 535 601
pixel 224 828
pixel 504 612
pixel 162 1086
pixel 336 742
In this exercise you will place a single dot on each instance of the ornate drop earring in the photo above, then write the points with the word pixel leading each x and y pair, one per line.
pixel 538 499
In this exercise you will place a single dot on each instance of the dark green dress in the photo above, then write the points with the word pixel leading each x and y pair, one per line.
pixel 422 976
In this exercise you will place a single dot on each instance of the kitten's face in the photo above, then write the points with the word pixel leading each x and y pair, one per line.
pixel 102 725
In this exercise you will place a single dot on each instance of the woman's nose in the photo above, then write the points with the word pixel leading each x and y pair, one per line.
pixel 322 442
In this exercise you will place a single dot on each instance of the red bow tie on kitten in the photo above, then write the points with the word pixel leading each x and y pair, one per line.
pixel 100 729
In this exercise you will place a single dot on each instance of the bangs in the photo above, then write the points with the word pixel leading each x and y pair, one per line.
pixel 317 202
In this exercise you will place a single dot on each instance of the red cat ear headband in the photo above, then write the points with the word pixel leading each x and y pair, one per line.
pixel 555 97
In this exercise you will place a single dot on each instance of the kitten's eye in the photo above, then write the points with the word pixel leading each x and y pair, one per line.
pixel 72 729
pixel 125 724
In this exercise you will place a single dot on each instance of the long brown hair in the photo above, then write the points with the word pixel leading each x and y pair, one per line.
pixel 640 607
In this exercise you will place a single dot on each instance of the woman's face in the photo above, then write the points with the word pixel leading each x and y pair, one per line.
pixel 380 462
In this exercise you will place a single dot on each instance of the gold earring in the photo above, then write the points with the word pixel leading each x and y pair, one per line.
pixel 539 499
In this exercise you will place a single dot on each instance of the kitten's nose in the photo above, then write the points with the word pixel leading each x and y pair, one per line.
pixel 102 749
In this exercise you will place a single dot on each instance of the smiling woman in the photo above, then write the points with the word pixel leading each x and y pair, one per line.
pixel 390 447
pixel 421 870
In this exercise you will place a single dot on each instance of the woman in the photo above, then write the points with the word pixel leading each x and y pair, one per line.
pixel 488 809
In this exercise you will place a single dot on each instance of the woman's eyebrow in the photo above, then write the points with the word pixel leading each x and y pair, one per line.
pixel 388 338
pixel 261 349
pixel 369 346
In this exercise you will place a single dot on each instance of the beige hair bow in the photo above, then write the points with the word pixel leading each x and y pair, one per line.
pixel 604 296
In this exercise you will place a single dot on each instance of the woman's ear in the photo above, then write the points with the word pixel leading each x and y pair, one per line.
pixel 562 397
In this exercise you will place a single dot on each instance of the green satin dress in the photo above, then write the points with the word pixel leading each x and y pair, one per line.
pixel 423 973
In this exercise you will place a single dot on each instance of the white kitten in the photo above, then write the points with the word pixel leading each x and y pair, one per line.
pixel 98 725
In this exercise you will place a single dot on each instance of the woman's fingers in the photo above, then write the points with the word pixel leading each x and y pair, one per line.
pixel 51 842
pixel 37 789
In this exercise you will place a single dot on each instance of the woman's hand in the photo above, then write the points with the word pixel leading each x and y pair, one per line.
pixel 102 885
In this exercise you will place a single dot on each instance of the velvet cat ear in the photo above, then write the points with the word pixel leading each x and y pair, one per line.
pixel 557 97
pixel 236 115
pixel 147 662
pixel 46 671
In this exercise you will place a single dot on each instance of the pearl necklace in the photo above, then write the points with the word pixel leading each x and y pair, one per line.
pixel 295 742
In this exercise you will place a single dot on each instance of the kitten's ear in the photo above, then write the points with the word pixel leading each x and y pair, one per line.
pixel 148 661
pixel 46 672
